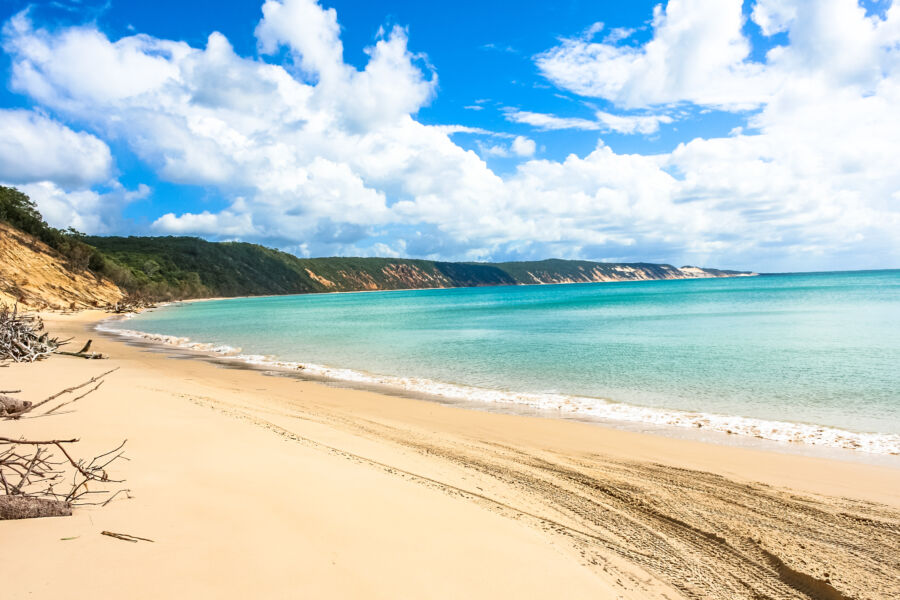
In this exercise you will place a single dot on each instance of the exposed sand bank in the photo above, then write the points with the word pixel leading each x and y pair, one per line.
pixel 278 488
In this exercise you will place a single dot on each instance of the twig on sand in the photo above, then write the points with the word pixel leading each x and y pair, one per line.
pixel 125 537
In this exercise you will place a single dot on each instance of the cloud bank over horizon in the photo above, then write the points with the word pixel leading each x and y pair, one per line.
pixel 314 155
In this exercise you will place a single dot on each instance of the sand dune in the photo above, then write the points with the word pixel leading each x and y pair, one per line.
pixel 36 276
pixel 283 488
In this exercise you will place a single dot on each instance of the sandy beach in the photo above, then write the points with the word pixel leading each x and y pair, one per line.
pixel 274 487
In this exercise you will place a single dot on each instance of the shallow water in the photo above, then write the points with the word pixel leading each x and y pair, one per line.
pixel 811 358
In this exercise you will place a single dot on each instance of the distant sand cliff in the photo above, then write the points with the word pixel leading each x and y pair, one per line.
pixel 35 276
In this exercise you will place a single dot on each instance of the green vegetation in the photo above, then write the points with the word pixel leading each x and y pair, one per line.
pixel 185 267
pixel 165 268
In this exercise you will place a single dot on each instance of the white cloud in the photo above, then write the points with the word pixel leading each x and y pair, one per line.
pixel 593 30
pixel 37 148
pixel 453 129
pixel 234 221
pixel 644 124
pixel 626 124
pixel 547 122
pixel 706 61
pixel 87 211
pixel 697 54
pixel 326 158
pixel 520 146
pixel 618 34
pixel 523 146
pixel 310 31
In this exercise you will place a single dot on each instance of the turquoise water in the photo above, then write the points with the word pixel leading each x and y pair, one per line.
pixel 807 357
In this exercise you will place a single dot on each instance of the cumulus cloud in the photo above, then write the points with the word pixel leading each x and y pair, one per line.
pixel 86 210
pixel 520 146
pixel 321 157
pixel 692 58
pixel 706 61
pixel 37 148
pixel 523 146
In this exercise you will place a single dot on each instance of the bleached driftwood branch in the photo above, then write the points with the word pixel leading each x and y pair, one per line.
pixel 14 408
pixel 22 337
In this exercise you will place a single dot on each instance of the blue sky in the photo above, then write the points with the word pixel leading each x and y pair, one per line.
pixel 716 132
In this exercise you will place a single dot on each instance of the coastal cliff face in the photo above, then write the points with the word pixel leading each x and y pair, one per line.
pixel 179 267
pixel 37 277
pixel 404 275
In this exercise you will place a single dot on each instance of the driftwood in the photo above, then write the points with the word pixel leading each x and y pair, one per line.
pixel 129 304
pixel 29 507
pixel 46 470
pixel 22 337
pixel 13 406
pixel 84 352
pixel 26 408
pixel 30 468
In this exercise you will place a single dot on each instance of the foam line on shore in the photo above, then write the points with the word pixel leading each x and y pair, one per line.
pixel 563 404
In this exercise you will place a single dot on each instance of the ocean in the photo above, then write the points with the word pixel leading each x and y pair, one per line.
pixel 810 358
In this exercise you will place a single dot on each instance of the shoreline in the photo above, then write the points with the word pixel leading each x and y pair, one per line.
pixel 282 488
pixel 713 428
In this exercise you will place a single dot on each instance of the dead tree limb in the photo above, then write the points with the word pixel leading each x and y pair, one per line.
pixel 89 356
pixel 15 413
pixel 38 474
pixel 29 507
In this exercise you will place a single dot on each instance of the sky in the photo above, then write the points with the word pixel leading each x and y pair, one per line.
pixel 760 135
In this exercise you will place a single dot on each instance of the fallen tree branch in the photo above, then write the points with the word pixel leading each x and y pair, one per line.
pixel 6 413
pixel 24 442
pixel 29 507
pixel 89 356
pixel 39 475
pixel 76 399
